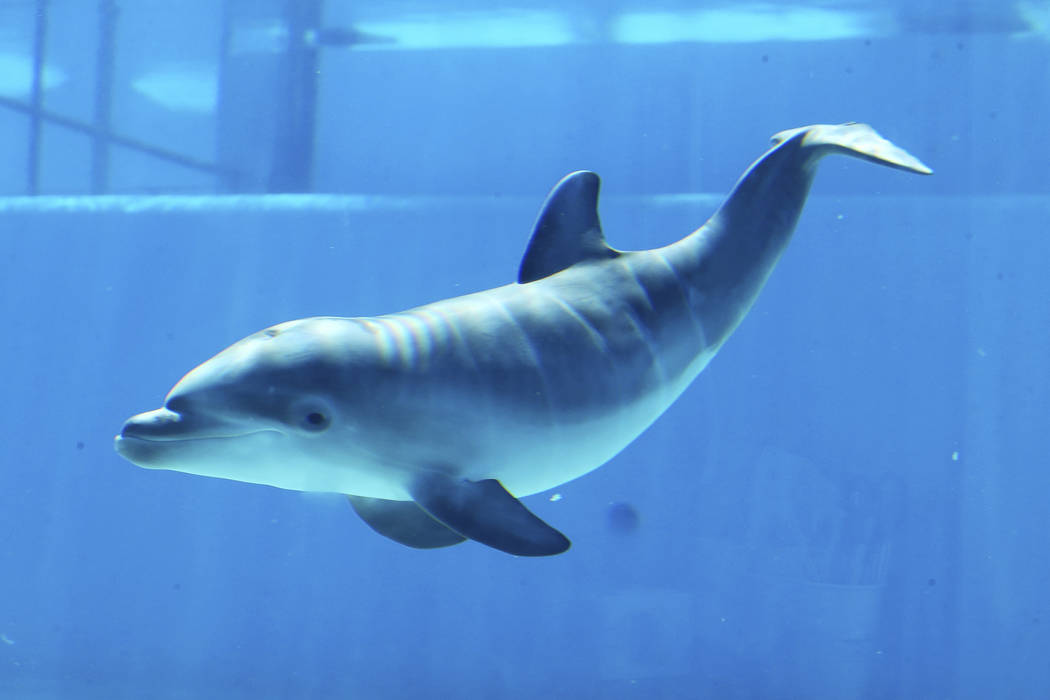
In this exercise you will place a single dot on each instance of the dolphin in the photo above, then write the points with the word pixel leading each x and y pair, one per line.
pixel 434 421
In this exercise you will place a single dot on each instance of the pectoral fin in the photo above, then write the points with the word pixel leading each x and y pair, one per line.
pixel 486 512
pixel 404 522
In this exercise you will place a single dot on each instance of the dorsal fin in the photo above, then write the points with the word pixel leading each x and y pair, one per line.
pixel 567 230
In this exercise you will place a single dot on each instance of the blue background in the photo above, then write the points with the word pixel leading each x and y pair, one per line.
pixel 851 501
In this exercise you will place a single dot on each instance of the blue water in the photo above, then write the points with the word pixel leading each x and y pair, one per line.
pixel 850 502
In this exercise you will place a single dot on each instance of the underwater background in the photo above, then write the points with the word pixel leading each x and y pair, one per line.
pixel 851 501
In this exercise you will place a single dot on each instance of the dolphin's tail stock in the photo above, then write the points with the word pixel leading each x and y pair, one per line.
pixel 852 139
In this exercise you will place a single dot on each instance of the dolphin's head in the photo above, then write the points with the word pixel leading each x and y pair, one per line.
pixel 276 408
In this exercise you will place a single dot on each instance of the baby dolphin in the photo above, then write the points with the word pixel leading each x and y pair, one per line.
pixel 436 420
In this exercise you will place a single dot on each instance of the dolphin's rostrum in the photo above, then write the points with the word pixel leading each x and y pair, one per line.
pixel 435 420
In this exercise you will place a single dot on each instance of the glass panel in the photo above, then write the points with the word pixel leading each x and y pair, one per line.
pixel 847 502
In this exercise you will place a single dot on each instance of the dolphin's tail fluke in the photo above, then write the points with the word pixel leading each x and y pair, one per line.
pixel 853 139
pixel 767 200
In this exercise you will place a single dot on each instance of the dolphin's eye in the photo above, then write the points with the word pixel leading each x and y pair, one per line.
pixel 315 421
pixel 311 415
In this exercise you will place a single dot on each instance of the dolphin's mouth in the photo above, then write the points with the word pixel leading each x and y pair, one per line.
pixel 164 425
pixel 151 439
